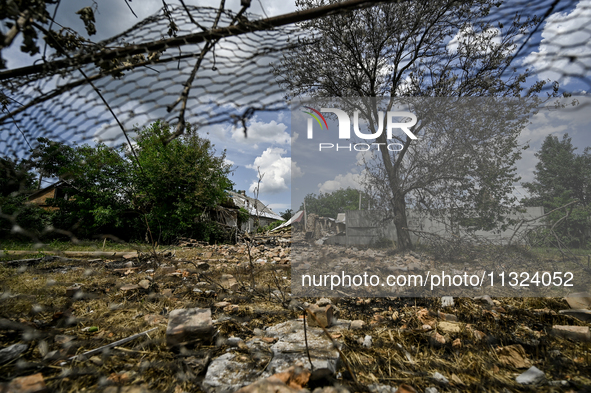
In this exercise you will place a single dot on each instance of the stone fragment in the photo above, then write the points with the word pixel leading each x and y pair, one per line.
pixel 447 301
pixel 425 318
pixel 323 314
pixel 12 352
pixel 226 374
pixel 129 287
pixel 457 343
pixel 189 326
pixel 144 284
pixel 377 388
pixel 73 290
pixel 449 327
pixel 404 388
pixel 581 314
pixel 579 300
pixel 29 384
pixel 531 377
pixel 323 302
pixel 440 378
pixel 437 339
pixel 229 282
pixel 576 333
pixel 357 324
pixel 431 390
pixel 485 299
pixel 447 317
pixel 513 356
pixel 96 360
pixel 367 342
pixel 478 335
pixel 221 304
pixel 290 347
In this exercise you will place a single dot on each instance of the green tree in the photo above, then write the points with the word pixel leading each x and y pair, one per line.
pixel 178 182
pixel 561 177
pixel 286 215
pixel 15 177
pixel 16 216
pixel 98 192
pixel 333 203
pixel 400 50
pixel 169 188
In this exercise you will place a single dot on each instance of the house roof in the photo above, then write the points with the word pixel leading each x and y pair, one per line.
pixel 253 206
pixel 42 191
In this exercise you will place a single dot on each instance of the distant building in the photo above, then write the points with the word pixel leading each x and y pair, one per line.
pixel 256 209
pixel 57 190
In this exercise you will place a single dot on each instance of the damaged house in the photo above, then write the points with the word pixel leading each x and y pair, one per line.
pixel 227 212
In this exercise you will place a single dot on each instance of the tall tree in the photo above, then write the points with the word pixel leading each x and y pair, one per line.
pixel 178 182
pixel 562 176
pixel 403 49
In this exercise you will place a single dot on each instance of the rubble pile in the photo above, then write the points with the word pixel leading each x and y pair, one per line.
pixel 220 318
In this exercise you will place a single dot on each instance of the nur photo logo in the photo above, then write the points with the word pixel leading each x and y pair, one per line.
pixel 391 118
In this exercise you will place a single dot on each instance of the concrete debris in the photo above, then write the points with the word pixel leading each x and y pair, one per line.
pixel 377 388
pixel 513 356
pixel 532 376
pixel 440 378
pixel 73 290
pixel 485 299
pixel 437 340
pixel 129 287
pixel 186 326
pixel 449 327
pixel 29 384
pixel 580 314
pixel 324 315
pixel 576 333
pixel 447 317
pixel 357 324
pixel 447 301
pixel 367 342
pixel 579 300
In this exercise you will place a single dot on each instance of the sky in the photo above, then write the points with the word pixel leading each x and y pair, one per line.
pixel 267 149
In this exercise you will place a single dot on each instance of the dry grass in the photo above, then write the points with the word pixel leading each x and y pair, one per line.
pixel 402 352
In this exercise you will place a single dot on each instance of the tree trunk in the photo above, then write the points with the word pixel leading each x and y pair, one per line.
pixel 398 203
pixel 402 234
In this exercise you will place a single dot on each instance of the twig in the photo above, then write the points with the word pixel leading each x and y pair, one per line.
pixel 112 345
pixel 335 345
pixel 306 341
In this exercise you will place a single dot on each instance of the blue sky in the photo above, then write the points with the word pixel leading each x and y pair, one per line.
pixel 268 144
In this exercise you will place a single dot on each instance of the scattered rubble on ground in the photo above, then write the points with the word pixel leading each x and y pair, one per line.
pixel 223 319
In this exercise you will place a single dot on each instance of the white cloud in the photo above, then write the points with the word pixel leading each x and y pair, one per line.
pixel 260 132
pixel 276 170
pixel 350 179
pixel 467 34
pixel 564 49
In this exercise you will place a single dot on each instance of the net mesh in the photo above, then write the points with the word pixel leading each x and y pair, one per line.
pixel 200 66
pixel 157 70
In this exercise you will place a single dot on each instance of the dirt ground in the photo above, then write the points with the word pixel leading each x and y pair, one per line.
pixel 61 307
